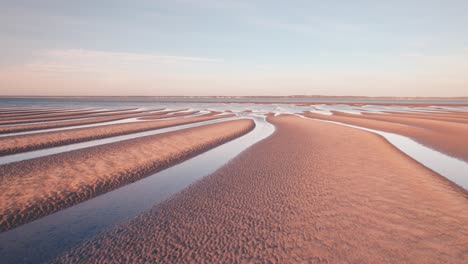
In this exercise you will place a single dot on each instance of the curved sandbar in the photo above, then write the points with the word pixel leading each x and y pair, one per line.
pixel 70 113
pixel 445 137
pixel 86 121
pixel 176 114
pixel 312 192
pixel 35 188
pixel 41 126
pixel 434 123
pixel 81 114
pixel 32 113
pixel 23 143
pixel 433 116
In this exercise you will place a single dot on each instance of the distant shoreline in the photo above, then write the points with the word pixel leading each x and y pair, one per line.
pixel 321 97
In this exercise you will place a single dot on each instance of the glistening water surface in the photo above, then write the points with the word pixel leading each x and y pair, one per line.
pixel 49 236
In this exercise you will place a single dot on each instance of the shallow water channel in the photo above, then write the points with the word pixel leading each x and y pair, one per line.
pixel 48 237
pixel 60 149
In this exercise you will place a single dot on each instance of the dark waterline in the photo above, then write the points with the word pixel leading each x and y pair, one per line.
pixel 125 102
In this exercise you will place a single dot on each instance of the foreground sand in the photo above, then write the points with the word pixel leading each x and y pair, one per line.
pixel 313 192
pixel 447 137
pixel 32 189
pixel 23 143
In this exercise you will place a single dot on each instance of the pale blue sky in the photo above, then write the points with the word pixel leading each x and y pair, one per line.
pixel 208 47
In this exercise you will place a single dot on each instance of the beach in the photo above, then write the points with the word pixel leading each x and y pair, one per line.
pixel 315 183
pixel 302 195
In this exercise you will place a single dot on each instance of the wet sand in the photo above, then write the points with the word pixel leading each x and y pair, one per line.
pixel 33 113
pixel 427 122
pixel 177 114
pixel 67 116
pixel 450 114
pixel 32 189
pixel 23 143
pixel 313 192
pixel 433 116
pixel 446 137
pixel 38 126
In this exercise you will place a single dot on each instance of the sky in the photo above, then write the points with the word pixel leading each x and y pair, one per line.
pixel 233 48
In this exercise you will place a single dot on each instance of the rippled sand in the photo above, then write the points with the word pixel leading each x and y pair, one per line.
pixel 66 123
pixel 446 137
pixel 22 143
pixel 64 116
pixel 312 192
pixel 35 188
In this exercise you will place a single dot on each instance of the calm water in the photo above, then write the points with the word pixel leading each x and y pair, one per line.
pixel 123 102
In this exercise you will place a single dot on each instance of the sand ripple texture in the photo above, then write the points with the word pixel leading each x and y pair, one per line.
pixel 313 192
pixel 448 117
pixel 65 116
pixel 176 114
pixel 7 113
pixel 444 136
pixel 35 188
pixel 22 143
pixel 65 123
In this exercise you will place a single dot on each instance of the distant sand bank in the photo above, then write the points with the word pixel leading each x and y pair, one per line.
pixel 17 144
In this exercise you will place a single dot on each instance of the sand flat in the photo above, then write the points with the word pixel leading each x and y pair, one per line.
pixel 176 114
pixel 68 116
pixel 33 113
pixel 446 137
pixel 39 126
pixel 31 189
pixel 22 143
pixel 49 114
pixel 457 118
pixel 312 192
pixel 95 120
pixel 428 122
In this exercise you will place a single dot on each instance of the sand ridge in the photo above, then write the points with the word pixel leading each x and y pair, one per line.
pixel 457 118
pixel 38 126
pixel 69 116
pixel 35 188
pixel 428 122
pixel 303 195
pixel 32 113
pixel 177 114
pixel 446 137
pixel 65 123
pixel 22 143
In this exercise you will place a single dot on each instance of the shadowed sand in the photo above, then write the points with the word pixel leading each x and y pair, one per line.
pixel 22 143
pixel 446 137
pixel 67 116
pixel 35 188
pixel 313 192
